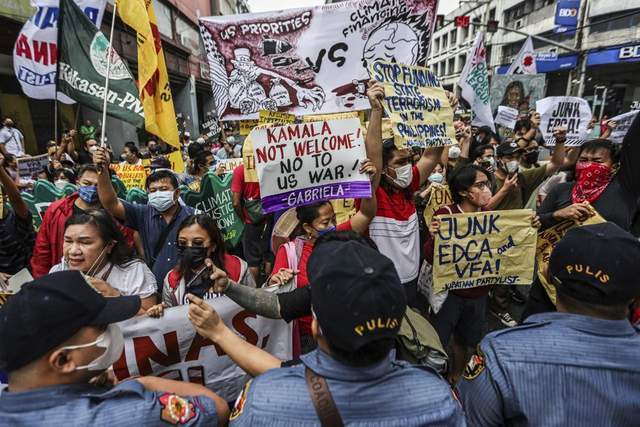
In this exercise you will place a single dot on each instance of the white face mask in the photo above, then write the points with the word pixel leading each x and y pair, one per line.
pixel 436 177
pixel 512 166
pixel 161 200
pixel 404 176
pixel 113 343
pixel 60 184
pixel 454 152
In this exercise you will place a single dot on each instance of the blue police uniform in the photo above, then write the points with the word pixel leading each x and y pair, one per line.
pixel 127 404
pixel 557 369
pixel 388 394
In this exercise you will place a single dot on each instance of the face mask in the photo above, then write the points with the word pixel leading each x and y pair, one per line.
pixel 404 176
pixel 482 198
pixel 123 157
pixel 326 230
pixel 93 149
pixel 192 257
pixel 231 140
pixel 436 177
pixel 60 184
pixel 113 343
pixel 531 157
pixel 88 193
pixel 511 166
pixel 161 200
pixel 591 180
pixel 454 152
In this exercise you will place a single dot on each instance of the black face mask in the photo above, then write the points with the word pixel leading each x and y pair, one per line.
pixel 531 157
pixel 192 257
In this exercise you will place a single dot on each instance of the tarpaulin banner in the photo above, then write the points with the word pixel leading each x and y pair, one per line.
pixel 169 347
pixel 474 82
pixel 132 176
pixel 567 111
pixel 485 248
pixel 311 60
pixel 35 52
pixel 29 167
pixel 305 163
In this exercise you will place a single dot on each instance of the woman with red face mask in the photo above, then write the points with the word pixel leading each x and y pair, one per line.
pixel 606 181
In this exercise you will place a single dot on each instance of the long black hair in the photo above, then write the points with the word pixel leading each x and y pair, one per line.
pixel 121 254
pixel 211 227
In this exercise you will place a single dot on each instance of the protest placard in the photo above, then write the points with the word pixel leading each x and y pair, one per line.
pixel 506 117
pixel 439 196
pixel 275 117
pixel 211 128
pixel 344 209
pixel 547 240
pixel 170 347
pixel 246 126
pixel 29 167
pixel 485 248
pixel 304 163
pixel 335 116
pixel 416 103
pixel 231 164
pixel 623 123
pixel 567 111
pixel 132 176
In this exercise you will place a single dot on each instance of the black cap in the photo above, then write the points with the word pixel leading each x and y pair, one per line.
pixel 597 264
pixel 508 148
pixel 50 310
pixel 356 294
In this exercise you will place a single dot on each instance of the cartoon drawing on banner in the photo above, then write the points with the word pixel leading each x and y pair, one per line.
pixel 310 60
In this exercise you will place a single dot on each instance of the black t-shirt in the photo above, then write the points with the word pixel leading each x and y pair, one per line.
pixel 77 210
pixel 295 304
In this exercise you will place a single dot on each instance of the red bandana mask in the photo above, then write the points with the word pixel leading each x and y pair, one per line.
pixel 591 180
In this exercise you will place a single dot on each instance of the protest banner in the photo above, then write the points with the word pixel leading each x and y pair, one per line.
pixel 35 51
pixel 132 176
pixel 211 128
pixel 547 240
pixel 29 167
pixel 230 164
pixel 516 91
pixel 623 123
pixel 246 126
pixel 213 197
pixel 304 163
pixel 485 248
pixel 416 104
pixel 344 209
pixel 313 59
pixel 335 116
pixel 276 118
pixel 439 196
pixel 169 347
pixel 474 82
pixel 568 111
pixel 506 117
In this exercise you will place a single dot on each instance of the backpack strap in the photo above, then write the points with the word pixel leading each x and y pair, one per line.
pixel 322 399
pixel 292 257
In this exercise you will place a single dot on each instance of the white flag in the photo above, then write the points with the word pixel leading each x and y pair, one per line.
pixel 525 62
pixel 35 51
pixel 474 82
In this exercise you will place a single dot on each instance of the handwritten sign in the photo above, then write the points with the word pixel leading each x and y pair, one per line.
pixel 547 240
pixel 276 118
pixel 506 117
pixel 230 164
pixel 486 248
pixel 335 116
pixel 417 105
pixel 246 126
pixel 304 163
pixel 210 128
pixel 132 176
pixel 344 209
pixel 439 196
pixel 623 123
pixel 29 167
pixel 567 111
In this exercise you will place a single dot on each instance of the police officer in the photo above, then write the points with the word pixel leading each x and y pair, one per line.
pixel 357 304
pixel 578 366
pixel 56 336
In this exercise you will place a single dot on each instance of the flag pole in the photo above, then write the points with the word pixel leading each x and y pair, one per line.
pixel 55 116
pixel 106 81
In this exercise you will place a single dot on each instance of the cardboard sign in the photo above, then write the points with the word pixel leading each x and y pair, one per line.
pixel 568 111
pixel 417 105
pixel 246 126
pixel 132 176
pixel 623 123
pixel 169 347
pixel 344 209
pixel 506 117
pixel 485 248
pixel 250 174
pixel 29 167
pixel 305 163
pixel 547 240
pixel 213 197
pixel 276 118
pixel 439 196
pixel 230 164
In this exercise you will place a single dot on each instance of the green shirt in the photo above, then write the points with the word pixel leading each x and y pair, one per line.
pixel 528 181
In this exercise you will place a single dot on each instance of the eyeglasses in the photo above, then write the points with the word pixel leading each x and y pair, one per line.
pixel 481 185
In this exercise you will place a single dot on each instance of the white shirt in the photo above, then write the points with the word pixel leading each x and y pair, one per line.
pixel 13 140
pixel 133 279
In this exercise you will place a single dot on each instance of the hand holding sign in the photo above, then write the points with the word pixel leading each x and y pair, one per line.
pixel 375 93
pixel 560 134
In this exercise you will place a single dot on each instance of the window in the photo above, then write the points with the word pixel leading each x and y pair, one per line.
pixel 436 45
pixel 461 61
pixel 163 16
pixel 453 37
pixel 187 36
pixel 444 42
pixel 464 33
pixel 624 22
pixel 452 66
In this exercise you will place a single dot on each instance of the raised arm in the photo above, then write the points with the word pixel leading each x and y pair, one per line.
pixel 12 192
pixel 373 140
pixel 557 159
pixel 106 193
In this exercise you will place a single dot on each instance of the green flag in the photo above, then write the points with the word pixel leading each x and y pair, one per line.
pixel 82 68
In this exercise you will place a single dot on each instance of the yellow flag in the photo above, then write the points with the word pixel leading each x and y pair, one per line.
pixel 153 80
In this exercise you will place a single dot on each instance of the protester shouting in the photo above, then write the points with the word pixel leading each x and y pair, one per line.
pixel 607 181
pixel 157 221
pixel 395 228
pixel 17 236
pixel 200 248
pixel 48 249
pixel 58 337
pixel 578 366
pixel 94 245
